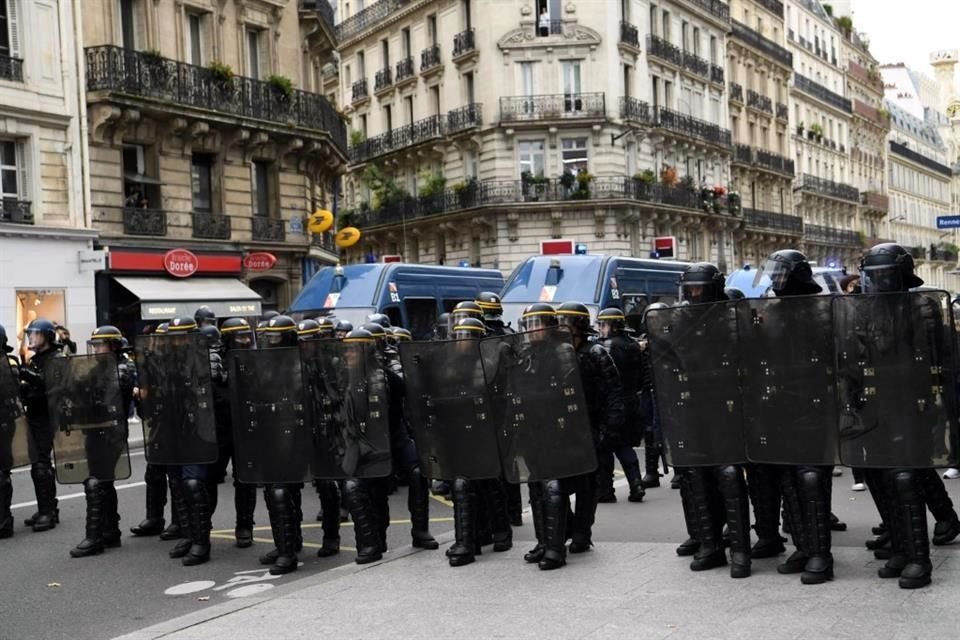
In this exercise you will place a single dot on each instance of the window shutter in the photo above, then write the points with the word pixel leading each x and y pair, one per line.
pixel 23 187
pixel 13 20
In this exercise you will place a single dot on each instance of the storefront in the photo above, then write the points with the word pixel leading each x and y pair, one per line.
pixel 144 287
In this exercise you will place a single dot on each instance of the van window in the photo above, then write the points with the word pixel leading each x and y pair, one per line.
pixel 396 319
pixel 450 303
pixel 421 317
pixel 633 306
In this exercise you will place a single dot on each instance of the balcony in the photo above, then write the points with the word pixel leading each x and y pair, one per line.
pixel 820 234
pixel 16 211
pixel 368 18
pixel 562 106
pixel 629 35
pixel 696 64
pixel 759 102
pixel 464 42
pixel 716 74
pixel 743 154
pixel 660 48
pixel 266 229
pixel 769 48
pixel 464 118
pixel 736 92
pixel 323 9
pixel 185 86
pixel 875 201
pixel 144 222
pixel 763 160
pixel 691 127
pixel 430 58
pixel 821 93
pixel 211 226
pixel 773 6
pixel 325 242
pixel 713 7
pixel 359 91
pixel 405 70
pixel 11 69
pixel 783 112
pixel 865 76
pixel 411 134
pixel 772 221
pixel 634 110
pixel 829 188
pixel 555 28
pixel 872 114
pixel 905 152
pixel 383 80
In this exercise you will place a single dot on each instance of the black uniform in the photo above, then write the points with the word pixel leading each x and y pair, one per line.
pixel 629 359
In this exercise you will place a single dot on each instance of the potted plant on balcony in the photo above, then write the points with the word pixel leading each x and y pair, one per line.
pixel 733 202
pixel 533 186
pixel 466 192
pixel 706 199
pixel 281 86
pixel 356 137
pixel 584 178
pixel 221 76
pixel 719 198
pixel 800 129
pixel 643 182
pixel 567 180
pixel 817 130
pixel 845 23
pixel 430 190
pixel 154 70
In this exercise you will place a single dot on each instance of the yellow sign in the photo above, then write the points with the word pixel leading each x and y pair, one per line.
pixel 320 222
pixel 347 237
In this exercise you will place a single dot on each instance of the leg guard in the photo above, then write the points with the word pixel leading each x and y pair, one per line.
pixel 464 523
pixel 156 478
pixel 366 525
pixel 111 516
pixel 555 507
pixel 499 515
pixel 940 505
pixel 245 503
pixel 199 512
pixel 737 507
pixel 287 516
pixel 631 469
pixel 793 518
pixel 764 488
pixel 177 527
pixel 691 545
pixel 585 512
pixel 92 544
pixel 45 485
pixel 6 498
pixel 815 508
pixel 708 530
pixel 536 509
pixel 329 493
pixel 418 502
pixel 911 516
pixel 181 506
pixel 651 461
pixel 514 503
pixel 273 513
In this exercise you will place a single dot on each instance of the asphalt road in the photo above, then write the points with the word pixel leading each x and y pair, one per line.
pixel 46 594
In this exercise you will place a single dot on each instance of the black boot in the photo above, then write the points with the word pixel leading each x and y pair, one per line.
pixel 514 503
pixel 764 490
pixel 6 498
pixel 584 514
pixel 92 544
pixel 178 500
pixel 555 508
pixel 941 507
pixel 178 527
pixel 45 485
pixel 737 507
pixel 651 462
pixel 418 502
pixel 691 545
pixel 708 531
pixel 464 548
pixel 273 513
pixel 288 526
pixel 499 515
pixel 912 516
pixel 635 482
pixel 366 526
pixel 815 507
pixel 792 519
pixel 199 512
pixel 329 494
pixel 245 503
pixel 111 516
pixel 883 489
pixel 535 554
pixel 156 478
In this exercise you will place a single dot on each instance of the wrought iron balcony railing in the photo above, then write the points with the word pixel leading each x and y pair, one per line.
pixel 464 118
pixel 411 134
pixel 772 220
pixel 368 18
pixel 144 222
pixel 743 153
pixel 714 7
pixel 820 234
pixel 759 102
pixel 11 69
pixel 555 28
pixel 213 226
pixel 751 38
pixel 905 152
pixel 773 6
pixel 553 107
pixel 830 188
pixel 405 69
pixel 875 201
pixel 736 92
pixel 716 74
pixel 325 241
pixel 266 229
pixel 657 47
pixel 746 154
pixel 635 110
pixel 696 64
pixel 692 127
pixel 137 73
pixel 16 211
pixel 783 112
pixel 323 8
pixel 464 42
pixel 820 92
pixel 430 58
pixel 359 91
pixel 629 34
pixel 383 79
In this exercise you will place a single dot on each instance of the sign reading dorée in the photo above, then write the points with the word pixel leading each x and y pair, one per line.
pixel 180 263
pixel 259 261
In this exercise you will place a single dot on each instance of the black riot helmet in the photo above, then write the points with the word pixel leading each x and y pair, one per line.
pixel 491 304
pixel 790 274
pixel 466 309
pixel 611 321
pixel 381 319
pixel 376 331
pixel 343 328
pixel 280 331
pixel 441 329
pixel 469 329
pixel 185 324
pixel 237 333
pixel 162 328
pixel 360 336
pixel 45 328
pixel 4 347
pixel 108 336
pixel 888 267
pixel 402 335
pixel 733 293
pixel 204 316
pixel 576 316
pixel 269 315
pixel 212 334
pixel 702 282
pixel 327 326
pixel 308 330
pixel 538 315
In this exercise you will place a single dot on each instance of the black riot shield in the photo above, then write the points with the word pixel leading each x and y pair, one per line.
pixel 787 380
pixel 543 427
pixel 694 350
pixel 347 403
pixel 273 442
pixel 897 372
pixel 449 409
pixel 13 424
pixel 176 399
pixel 88 418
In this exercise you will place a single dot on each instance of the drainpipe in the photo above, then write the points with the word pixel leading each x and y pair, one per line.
pixel 80 90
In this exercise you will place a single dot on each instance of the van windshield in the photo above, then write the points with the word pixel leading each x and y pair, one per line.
pixel 355 286
pixel 538 281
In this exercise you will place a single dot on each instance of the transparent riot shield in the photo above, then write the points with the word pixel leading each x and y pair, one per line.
pixel 176 399
pixel 788 379
pixel 88 418
pixel 694 350
pixel 449 408
pixel 539 408
pixel 347 401
pixel 13 424
pixel 897 373
pixel 272 440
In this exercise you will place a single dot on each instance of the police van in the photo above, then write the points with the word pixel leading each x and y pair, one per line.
pixel 597 281
pixel 411 295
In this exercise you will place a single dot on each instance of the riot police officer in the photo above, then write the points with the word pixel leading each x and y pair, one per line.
pixel 205 317
pixel 103 519
pixel 629 358
pixel 441 329
pixel 43 342
pixel 7 359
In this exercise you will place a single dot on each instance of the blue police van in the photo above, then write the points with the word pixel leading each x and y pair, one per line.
pixel 411 295
pixel 597 281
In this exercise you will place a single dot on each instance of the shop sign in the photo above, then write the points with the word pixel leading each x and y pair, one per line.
pixel 180 263
pixel 259 261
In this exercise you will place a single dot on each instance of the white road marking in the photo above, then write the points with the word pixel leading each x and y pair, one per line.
pixel 27 468
pixel 187 588
pixel 74 496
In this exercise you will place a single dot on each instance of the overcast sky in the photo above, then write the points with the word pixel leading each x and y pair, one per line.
pixel 908 32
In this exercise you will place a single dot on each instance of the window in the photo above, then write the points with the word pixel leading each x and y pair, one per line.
pixel 409 103
pixel 388 118
pixel 469 87
pixel 195 39
pixel 361 65
pixel 128 30
pixel 253 53
pixel 385 53
pixel 13 176
pixel 530 157
pixel 261 188
pixel 574 156
pixel 470 164
pixel 202 178
pixel 421 316
pixel 141 189
pixel 571 86
pixel 405 39
pixel 432 29
pixel 526 79
pixel 435 95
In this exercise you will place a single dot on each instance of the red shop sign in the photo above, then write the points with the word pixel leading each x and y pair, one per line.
pixel 180 263
pixel 259 261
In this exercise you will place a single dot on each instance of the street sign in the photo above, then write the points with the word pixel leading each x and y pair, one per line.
pixel 948 222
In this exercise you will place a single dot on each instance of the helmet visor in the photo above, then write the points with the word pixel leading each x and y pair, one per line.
pixel 777 271
pixel 694 292
pixel 882 278
pixel 535 322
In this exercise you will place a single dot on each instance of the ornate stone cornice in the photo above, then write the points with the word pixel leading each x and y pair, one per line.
pixel 525 37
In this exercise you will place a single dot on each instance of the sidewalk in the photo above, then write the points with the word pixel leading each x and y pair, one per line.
pixel 619 591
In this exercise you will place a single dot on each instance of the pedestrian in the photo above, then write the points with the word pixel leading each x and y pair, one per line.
pixel 67 346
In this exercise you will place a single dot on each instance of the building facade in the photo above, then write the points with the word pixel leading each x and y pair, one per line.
pixel 209 133
pixel 46 262
pixel 480 129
